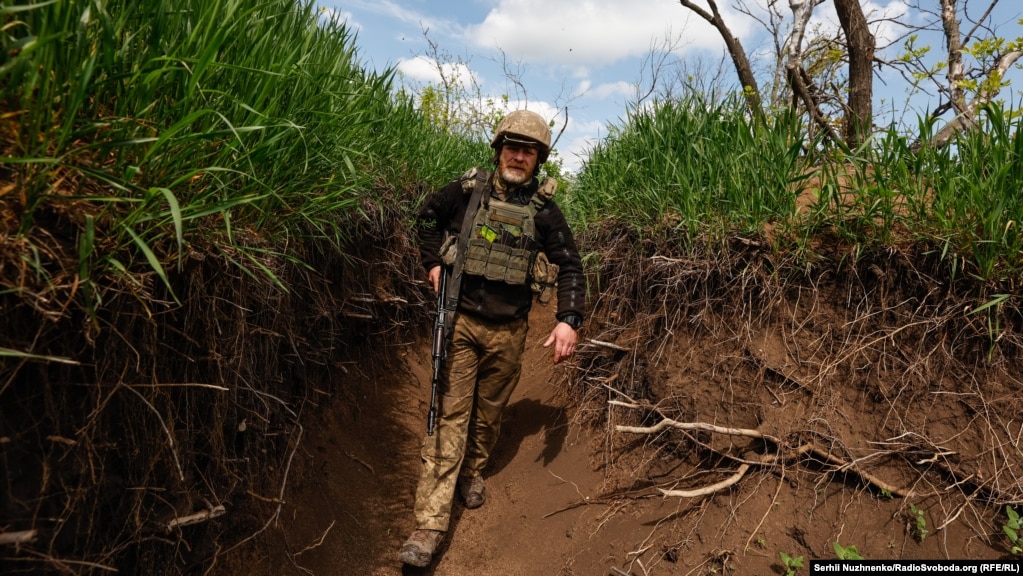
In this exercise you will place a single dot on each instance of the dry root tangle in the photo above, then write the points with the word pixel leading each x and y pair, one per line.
pixel 149 437
pixel 874 372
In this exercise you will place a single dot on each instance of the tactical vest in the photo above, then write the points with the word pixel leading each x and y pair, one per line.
pixel 502 244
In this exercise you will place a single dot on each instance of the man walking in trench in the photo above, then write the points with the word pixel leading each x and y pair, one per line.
pixel 511 228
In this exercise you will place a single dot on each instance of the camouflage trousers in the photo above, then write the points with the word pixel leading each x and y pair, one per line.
pixel 482 369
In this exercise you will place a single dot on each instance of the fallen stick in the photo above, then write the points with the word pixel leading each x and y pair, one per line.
pixel 840 465
pixel 669 423
pixel 610 345
pixel 15 538
pixel 196 518
pixel 711 488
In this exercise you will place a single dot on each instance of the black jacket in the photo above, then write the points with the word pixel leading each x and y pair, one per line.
pixel 496 301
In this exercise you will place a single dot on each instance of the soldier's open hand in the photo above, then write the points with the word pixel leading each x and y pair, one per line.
pixel 564 338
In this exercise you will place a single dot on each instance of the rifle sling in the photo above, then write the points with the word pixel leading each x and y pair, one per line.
pixel 455 282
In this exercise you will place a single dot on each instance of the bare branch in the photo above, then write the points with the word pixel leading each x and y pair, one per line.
pixel 15 538
pixel 743 68
pixel 197 518
pixel 734 478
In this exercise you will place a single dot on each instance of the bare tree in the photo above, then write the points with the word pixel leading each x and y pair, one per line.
pixel 773 21
pixel 805 93
pixel 456 102
pixel 993 70
pixel 971 73
pixel 663 75
pixel 803 88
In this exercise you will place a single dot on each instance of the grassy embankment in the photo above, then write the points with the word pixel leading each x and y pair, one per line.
pixel 834 304
pixel 204 204
pixel 689 177
pixel 702 168
pixel 205 210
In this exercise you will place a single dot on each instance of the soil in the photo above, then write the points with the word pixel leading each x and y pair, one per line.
pixel 570 495
pixel 725 411
pixel 350 501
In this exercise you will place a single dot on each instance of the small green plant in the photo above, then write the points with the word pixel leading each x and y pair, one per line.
pixel 791 563
pixel 847 552
pixel 760 541
pixel 917 515
pixel 1012 530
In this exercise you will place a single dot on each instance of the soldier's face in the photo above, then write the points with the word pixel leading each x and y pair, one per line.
pixel 517 163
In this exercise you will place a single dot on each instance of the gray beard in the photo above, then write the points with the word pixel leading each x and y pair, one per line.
pixel 513 179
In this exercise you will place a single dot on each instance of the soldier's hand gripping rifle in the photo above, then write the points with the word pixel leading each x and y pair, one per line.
pixel 441 335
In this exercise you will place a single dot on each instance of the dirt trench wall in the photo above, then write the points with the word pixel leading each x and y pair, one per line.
pixel 155 435
pixel 877 373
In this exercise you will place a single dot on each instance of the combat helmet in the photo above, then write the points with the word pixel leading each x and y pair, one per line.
pixel 524 127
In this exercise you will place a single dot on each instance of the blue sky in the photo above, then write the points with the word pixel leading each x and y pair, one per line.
pixel 588 55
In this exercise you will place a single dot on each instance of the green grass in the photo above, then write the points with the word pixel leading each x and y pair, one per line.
pixel 701 167
pixel 695 164
pixel 962 199
pixel 166 122
pixel 254 125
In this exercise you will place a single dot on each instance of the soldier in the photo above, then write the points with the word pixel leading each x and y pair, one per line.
pixel 515 235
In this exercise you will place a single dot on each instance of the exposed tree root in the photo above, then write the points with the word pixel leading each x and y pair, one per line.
pixel 785 455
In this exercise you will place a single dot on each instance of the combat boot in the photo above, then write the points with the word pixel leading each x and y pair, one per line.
pixel 419 548
pixel 472 490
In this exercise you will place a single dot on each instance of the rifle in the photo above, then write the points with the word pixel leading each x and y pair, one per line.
pixel 447 296
pixel 441 334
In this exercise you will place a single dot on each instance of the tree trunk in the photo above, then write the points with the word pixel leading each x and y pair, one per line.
pixel 860 43
pixel 966 112
pixel 742 66
pixel 955 56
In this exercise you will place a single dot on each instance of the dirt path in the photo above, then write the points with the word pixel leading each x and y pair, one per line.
pixel 552 510
pixel 350 494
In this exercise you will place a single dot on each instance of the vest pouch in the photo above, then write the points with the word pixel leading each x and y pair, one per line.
pixel 449 250
pixel 476 255
pixel 512 218
pixel 497 262
pixel 543 278
pixel 518 267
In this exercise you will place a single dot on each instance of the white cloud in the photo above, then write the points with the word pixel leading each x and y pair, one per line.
pixel 583 88
pixel 332 15
pixel 544 109
pixel 592 32
pixel 589 126
pixel 620 88
pixel 424 69
pixel 884 19
pixel 577 150
pixel 394 10
pixel 887 30
pixel 606 91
